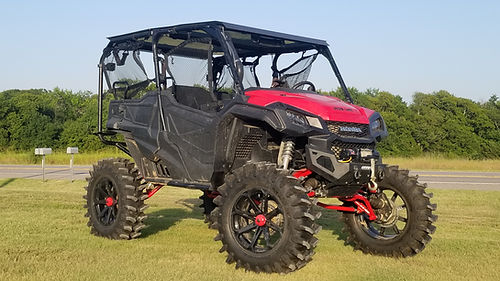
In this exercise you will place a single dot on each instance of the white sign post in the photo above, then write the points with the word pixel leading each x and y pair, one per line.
pixel 43 152
pixel 72 151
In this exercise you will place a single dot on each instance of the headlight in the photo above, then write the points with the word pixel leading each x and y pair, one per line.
pixel 296 118
pixel 376 125
pixel 303 120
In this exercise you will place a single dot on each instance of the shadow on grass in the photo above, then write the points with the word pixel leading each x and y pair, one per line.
pixel 163 219
pixel 6 182
pixel 332 221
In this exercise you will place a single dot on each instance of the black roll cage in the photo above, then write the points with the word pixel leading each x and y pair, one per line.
pixel 262 42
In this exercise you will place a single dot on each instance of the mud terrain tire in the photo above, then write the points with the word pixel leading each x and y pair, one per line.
pixel 411 207
pixel 266 222
pixel 115 200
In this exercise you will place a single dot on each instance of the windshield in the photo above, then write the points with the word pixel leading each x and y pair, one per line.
pixel 271 62
pixel 289 70
pixel 293 73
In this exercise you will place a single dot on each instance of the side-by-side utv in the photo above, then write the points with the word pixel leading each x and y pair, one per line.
pixel 237 112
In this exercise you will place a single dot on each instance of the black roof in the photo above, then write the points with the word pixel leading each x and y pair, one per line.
pixel 227 26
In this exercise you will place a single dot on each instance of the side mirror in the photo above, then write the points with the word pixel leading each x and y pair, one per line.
pixel 111 66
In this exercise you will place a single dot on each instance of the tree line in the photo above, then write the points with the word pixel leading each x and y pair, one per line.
pixel 437 123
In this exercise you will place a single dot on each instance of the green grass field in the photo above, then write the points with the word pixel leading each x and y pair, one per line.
pixel 58 157
pixel 444 164
pixel 45 237
pixel 415 163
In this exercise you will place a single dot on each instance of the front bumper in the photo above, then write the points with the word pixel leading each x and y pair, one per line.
pixel 322 159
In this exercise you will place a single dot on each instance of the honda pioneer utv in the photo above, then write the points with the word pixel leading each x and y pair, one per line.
pixel 237 112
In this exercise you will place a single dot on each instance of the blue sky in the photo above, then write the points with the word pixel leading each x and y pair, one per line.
pixel 399 46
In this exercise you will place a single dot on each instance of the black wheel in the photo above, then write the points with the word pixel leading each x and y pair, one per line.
pixel 115 200
pixel 265 220
pixel 404 218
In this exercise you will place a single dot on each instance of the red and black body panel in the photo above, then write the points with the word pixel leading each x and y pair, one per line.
pixel 203 148
pixel 327 107
pixel 323 147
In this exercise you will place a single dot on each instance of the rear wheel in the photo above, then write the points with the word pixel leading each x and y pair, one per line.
pixel 115 200
pixel 265 220
pixel 404 218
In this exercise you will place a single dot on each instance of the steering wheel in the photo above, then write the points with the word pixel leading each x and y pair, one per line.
pixel 115 88
pixel 302 83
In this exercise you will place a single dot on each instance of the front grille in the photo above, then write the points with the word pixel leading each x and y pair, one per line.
pixel 338 146
pixel 246 144
pixel 347 129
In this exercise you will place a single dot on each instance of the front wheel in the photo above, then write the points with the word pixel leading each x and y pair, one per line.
pixel 265 220
pixel 404 218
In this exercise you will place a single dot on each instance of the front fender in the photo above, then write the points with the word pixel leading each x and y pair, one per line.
pixel 275 116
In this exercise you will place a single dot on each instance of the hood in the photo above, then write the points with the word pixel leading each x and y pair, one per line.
pixel 328 108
